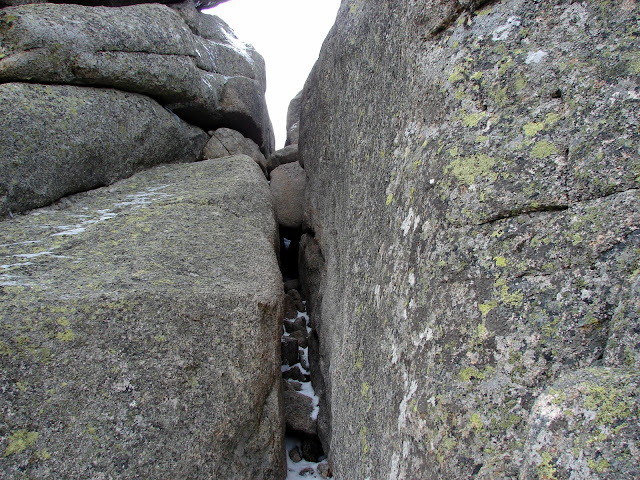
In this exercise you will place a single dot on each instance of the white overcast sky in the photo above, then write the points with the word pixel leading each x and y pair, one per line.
pixel 288 34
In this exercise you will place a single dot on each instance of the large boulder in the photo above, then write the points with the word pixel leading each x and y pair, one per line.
pixel 473 192
pixel 59 140
pixel 131 346
pixel 210 79
pixel 288 188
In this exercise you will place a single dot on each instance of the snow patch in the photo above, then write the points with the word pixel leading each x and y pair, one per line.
pixel 238 45
pixel 535 57
pixel 502 32
pixel 402 417
pixel 406 224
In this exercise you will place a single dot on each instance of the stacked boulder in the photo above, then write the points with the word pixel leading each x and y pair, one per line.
pixel 141 303
pixel 288 179
pixel 114 70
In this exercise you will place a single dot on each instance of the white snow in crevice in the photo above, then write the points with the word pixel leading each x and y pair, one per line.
pixel 294 468
pixel 11 265
pixel 144 198
pixel 238 45
pixel 82 226
pixel 502 32
pixel 308 391
pixel 287 243
pixel 29 242
pixel 31 255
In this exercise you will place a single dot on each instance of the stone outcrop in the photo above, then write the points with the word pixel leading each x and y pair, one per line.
pixel 131 345
pixel 189 62
pixel 60 139
pixel 473 219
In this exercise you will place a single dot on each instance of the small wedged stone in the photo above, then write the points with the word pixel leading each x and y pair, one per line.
pixel 301 337
pixel 288 187
pixel 288 154
pixel 293 119
pixel 298 324
pixel 289 350
pixel 297 410
pixel 225 141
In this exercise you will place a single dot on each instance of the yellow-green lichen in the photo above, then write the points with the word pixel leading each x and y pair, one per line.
pixel 467 169
pixel 65 336
pixel 359 361
pixel 472 119
pixel 532 128
pixel 364 391
pixel 389 200
pixel 546 470
pixel 500 261
pixel 609 404
pixel 363 440
pixel 600 466
pixel 486 307
pixel 469 373
pixel 543 149
pixel 475 421
pixel 19 441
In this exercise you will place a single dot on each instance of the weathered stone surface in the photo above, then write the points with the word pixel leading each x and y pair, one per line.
pixel 293 119
pixel 226 141
pixel 131 346
pixel 59 140
pixel 288 187
pixel 473 189
pixel 586 421
pixel 211 81
pixel 199 4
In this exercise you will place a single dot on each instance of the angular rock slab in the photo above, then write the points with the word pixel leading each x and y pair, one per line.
pixel 212 80
pixel 140 330
pixel 58 140
pixel 226 141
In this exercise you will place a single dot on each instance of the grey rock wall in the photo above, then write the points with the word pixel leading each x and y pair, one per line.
pixel 473 195
pixel 141 329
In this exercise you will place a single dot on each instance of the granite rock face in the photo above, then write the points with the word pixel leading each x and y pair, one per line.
pixel 131 346
pixel 473 218
pixel 60 139
pixel 189 62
